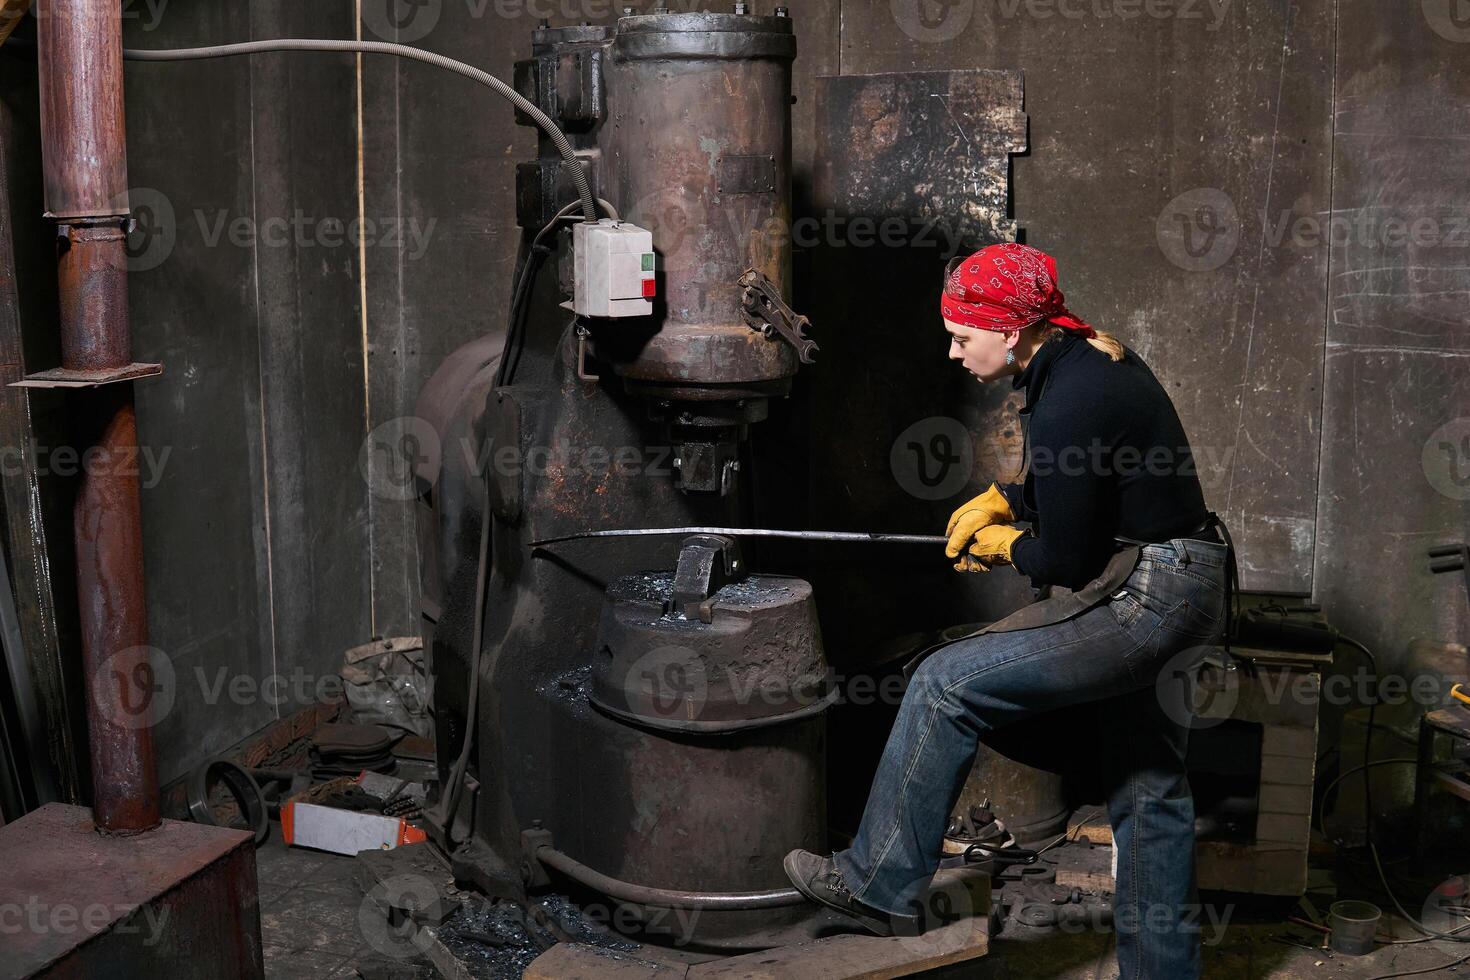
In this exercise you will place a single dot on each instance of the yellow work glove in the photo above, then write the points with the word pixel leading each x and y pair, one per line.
pixel 992 547
pixel 991 507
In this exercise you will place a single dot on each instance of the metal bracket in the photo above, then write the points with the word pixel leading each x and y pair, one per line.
pixel 765 311
pixel 583 335
pixel 69 378
pixel 1451 558
pixel 532 870
pixel 707 562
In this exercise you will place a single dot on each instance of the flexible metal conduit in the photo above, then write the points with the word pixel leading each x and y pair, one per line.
pixel 563 145
pixel 665 898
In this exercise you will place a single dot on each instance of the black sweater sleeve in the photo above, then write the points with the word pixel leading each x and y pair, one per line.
pixel 1015 494
pixel 1069 453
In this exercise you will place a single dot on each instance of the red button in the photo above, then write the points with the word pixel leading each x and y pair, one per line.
pixel 650 287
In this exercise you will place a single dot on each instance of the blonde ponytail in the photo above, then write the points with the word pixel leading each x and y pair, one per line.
pixel 1108 344
pixel 1104 341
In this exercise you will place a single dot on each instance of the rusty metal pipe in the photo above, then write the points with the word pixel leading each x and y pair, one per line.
pixel 84 151
pixel 92 279
pixel 665 898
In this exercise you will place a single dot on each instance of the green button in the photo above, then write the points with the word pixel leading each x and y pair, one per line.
pixel 647 261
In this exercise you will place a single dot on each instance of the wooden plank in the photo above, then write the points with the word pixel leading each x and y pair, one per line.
pixel 575 961
pixel 1087 868
pixel 1095 828
pixel 11 13
pixel 857 957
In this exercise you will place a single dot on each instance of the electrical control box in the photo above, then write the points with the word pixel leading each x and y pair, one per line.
pixel 612 269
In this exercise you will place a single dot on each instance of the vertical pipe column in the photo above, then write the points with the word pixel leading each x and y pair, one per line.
pixel 85 160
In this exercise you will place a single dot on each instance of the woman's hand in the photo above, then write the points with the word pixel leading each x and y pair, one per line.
pixel 991 507
pixel 992 547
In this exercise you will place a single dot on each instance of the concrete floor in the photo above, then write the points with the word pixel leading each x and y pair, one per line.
pixel 313 925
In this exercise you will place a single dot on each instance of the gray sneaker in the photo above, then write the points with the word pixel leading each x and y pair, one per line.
pixel 819 879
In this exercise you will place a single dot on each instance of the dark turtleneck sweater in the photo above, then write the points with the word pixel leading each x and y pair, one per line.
pixel 1106 456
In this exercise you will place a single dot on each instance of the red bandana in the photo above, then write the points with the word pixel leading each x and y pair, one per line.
pixel 1007 287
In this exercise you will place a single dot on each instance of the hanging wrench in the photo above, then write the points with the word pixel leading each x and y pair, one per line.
pixel 764 310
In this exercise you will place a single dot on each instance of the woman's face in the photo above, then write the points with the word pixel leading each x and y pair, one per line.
pixel 982 352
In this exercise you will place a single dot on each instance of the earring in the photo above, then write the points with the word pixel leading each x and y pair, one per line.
pixel 1010 357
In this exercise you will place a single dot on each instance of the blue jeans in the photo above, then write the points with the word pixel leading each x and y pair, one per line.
pixel 1103 688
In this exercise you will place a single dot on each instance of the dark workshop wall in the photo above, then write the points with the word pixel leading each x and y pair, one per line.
pixel 256 521
pixel 1180 153
pixel 1396 418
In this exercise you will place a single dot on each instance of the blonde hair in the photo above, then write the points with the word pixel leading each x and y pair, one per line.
pixel 1104 341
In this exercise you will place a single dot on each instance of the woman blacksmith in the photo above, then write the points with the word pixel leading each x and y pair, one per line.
pixel 1117 517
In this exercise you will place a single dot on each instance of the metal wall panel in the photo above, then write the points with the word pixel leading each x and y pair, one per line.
pixel 1396 423
pixel 1160 134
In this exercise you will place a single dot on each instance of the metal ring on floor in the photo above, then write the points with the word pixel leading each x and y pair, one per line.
pixel 242 787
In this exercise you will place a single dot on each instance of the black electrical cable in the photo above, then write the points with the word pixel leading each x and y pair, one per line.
pixel 510 359
pixel 1427 969
pixel 1368 812
pixel 450 801
pixel 563 145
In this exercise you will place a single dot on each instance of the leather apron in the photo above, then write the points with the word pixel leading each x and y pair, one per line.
pixel 1059 608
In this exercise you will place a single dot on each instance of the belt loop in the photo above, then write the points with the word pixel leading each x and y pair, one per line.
pixel 1182 547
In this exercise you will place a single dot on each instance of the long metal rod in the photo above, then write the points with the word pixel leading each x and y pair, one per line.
pixel 860 537
pixel 84 162
pixel 665 898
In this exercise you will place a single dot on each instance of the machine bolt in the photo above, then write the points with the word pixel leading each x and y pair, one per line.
pixel 782 12
pixel 627 11
pixel 742 8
